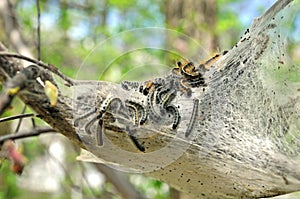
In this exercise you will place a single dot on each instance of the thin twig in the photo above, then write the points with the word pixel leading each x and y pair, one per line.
pixel 50 67
pixel 119 180
pixel 33 123
pixel 17 117
pixel 38 30
pixel 33 133
pixel 20 120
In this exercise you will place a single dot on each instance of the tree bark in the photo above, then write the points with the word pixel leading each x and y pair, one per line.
pixel 228 152
pixel 197 19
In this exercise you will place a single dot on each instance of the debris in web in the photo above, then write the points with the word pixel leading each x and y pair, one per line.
pixel 252 103
pixel 242 108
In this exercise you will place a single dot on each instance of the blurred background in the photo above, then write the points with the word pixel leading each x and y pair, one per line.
pixel 112 40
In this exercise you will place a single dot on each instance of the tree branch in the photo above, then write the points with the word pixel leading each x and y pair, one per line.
pixel 122 184
pixel 36 99
pixel 16 117
pixel 233 148
pixel 18 43
pixel 49 67
pixel 21 135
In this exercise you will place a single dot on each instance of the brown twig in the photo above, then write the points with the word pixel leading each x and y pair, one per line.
pixel 32 133
pixel 124 187
pixel 49 67
pixel 20 120
pixel 38 29
pixel 17 117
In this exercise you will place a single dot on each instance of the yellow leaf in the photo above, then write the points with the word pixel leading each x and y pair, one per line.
pixel 51 92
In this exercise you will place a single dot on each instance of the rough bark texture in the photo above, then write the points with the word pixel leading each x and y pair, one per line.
pixel 232 150
pixel 59 117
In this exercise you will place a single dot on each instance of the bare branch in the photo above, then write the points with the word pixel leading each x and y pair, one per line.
pixel 21 119
pixel 38 30
pixel 16 117
pixel 49 67
pixel 36 99
pixel 124 187
pixel 21 135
